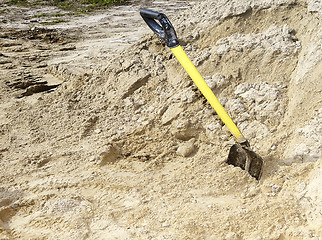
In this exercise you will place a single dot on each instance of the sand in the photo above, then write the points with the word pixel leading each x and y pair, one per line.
pixel 104 136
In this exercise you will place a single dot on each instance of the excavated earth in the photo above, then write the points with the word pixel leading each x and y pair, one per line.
pixel 104 136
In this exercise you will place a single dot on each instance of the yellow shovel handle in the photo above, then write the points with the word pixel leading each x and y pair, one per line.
pixel 207 92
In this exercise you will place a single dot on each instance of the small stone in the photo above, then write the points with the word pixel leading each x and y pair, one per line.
pixel 171 113
pixel 166 224
pixel 219 80
pixel 213 126
pixel 301 187
pixel 97 131
pixel 210 82
pixel 186 148
pixel 183 129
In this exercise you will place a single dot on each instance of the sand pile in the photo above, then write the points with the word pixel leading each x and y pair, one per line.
pixel 129 149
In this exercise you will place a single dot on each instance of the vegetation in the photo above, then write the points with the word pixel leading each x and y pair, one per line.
pixel 101 2
pixel 18 2
pixel 73 7
pixel 70 5
pixel 48 15
pixel 53 21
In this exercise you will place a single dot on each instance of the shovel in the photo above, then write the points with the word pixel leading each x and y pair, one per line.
pixel 240 154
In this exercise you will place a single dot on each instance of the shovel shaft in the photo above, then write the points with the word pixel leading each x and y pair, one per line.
pixel 207 92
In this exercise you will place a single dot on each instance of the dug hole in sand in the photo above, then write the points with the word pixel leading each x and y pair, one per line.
pixel 125 146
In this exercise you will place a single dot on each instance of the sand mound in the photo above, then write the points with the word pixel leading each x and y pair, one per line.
pixel 129 149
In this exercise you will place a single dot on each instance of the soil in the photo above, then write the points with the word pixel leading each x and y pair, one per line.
pixel 104 136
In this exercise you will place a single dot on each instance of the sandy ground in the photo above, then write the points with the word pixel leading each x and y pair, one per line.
pixel 104 136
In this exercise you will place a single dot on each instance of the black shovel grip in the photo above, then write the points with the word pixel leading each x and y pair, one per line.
pixel 164 30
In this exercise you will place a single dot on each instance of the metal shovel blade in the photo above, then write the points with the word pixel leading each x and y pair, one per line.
pixel 241 156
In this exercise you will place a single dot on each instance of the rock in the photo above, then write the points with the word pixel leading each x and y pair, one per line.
pixel 254 130
pixel 210 82
pixel 183 129
pixel 61 206
pixel 129 82
pixel 215 81
pixel 276 38
pixel 171 113
pixel 314 6
pixel 187 148
pixel 219 79
pixel 97 131
pixel 212 129
pixel 166 224
pixel 264 101
pixel 186 95
pixel 235 106
pixel 274 147
pixel 258 92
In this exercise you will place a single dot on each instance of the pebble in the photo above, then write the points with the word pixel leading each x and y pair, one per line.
pixel 187 148
pixel 171 113
pixel 166 224
pixel 97 131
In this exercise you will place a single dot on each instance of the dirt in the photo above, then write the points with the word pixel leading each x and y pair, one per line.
pixel 104 136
